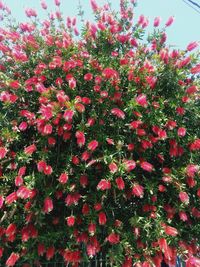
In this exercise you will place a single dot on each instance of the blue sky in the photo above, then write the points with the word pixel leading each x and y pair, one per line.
pixel 184 30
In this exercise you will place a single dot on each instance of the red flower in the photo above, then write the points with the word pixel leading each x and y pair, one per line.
pixel 142 100
pixel 157 21
pixel 181 131
pixel 93 145
pixel 48 205
pixel 184 197
pixel 80 138
pixel 12 259
pixel 120 183
pixel 138 190
pixel 113 167
pixel 92 228
pixel 171 231
pixel 3 152
pixel 30 149
pixel 118 113
pixel 41 249
pixel 195 145
pixel 1 201
pixel 50 253
pixel 195 69
pixel 104 185
pixel 129 165
pixel 146 166
pixel 63 178
pixel 11 229
pixel 68 115
pixel 11 198
pixel 113 238
pixel 102 218
pixel 70 220
pixel 83 180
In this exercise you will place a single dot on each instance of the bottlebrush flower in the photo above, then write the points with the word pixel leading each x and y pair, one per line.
pixel 141 100
pixel 13 258
pixel 104 185
pixel 57 2
pixel 83 180
pixel 92 228
pixel 11 198
pixel 138 190
pixel 118 113
pixel 181 132
pixel 195 145
pixel 41 249
pixel 157 21
pixel 48 205
pixel 171 231
pixel 11 229
pixel 120 183
pixel 1 201
pixel 146 166
pixel 102 218
pixel 195 69
pixel 3 152
pixel 129 165
pixel 68 115
pixel 72 199
pixel 48 170
pixel 30 149
pixel 41 165
pixel 93 145
pixel 80 138
pixel 113 167
pixel 192 46
pixel 50 253
pixel 63 178
pixel 169 21
pixel 113 238
pixel 184 197
pixel 70 220
pixel 1 252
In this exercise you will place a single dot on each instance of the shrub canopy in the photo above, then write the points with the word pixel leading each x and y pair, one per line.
pixel 99 141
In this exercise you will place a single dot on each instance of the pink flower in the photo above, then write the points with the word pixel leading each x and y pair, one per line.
pixel 3 152
pixel 80 138
pixel 57 2
pixel 30 149
pixel 184 197
pixel 41 165
pixel 68 115
pixel 195 69
pixel 88 77
pixel 48 170
pixel 118 113
pixel 102 218
pixel 47 129
pixel 169 21
pixel 171 231
pixel 63 178
pixel 72 83
pixel 19 181
pixel 142 100
pixel 113 238
pixel 113 167
pixel 191 170
pixel 138 190
pixel 181 131
pixel 146 166
pixel 48 205
pixel 43 4
pixel 23 126
pixel 157 21
pixel 11 198
pixel 70 220
pixel 129 165
pixel 104 185
pixel 1 201
pixel 93 145
pixel 120 183
pixel 192 46
pixel 12 259
pixel 94 5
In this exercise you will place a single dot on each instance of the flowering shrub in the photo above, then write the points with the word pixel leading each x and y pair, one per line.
pixel 100 140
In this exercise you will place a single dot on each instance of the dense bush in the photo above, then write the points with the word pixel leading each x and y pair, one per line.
pixel 100 140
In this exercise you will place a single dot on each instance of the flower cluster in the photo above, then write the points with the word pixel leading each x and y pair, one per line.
pixel 99 141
